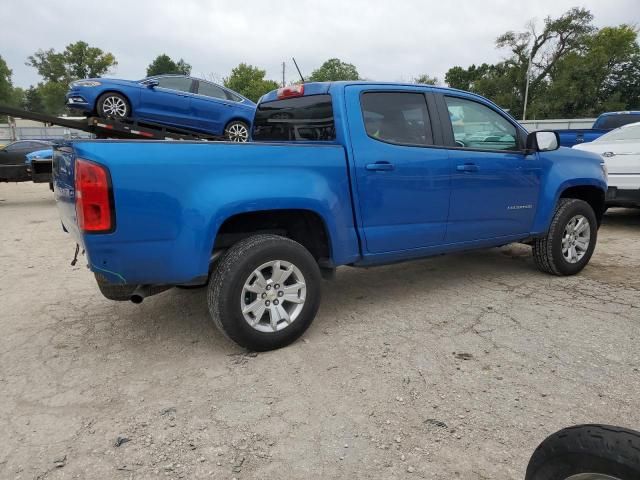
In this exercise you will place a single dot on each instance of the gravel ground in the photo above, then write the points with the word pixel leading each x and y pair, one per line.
pixel 446 368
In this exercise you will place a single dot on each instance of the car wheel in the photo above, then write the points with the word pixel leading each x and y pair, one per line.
pixel 113 105
pixel 570 241
pixel 587 452
pixel 237 131
pixel 264 292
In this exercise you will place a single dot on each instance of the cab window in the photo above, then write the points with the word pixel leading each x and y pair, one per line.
pixel 476 126
pixel 397 117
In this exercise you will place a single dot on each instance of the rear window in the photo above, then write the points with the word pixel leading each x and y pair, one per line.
pixel 307 118
pixel 615 121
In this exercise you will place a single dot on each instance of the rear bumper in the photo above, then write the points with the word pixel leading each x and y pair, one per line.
pixel 622 197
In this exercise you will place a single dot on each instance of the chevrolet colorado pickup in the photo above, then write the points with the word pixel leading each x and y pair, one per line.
pixel 342 173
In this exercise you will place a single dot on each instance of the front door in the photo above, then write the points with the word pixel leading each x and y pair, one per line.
pixel 169 102
pixel 494 186
pixel 402 181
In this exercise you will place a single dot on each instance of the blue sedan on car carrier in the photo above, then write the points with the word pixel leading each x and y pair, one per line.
pixel 173 100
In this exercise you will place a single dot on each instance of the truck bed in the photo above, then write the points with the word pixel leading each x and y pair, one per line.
pixel 170 199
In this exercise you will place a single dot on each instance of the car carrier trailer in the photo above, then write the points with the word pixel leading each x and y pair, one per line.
pixel 100 127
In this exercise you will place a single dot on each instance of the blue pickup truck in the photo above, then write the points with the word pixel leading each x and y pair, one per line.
pixel 343 173
pixel 603 124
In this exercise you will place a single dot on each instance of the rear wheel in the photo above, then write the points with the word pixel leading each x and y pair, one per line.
pixel 570 241
pixel 587 452
pixel 264 292
pixel 237 131
pixel 113 105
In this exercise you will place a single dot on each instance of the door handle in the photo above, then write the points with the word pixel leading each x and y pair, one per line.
pixel 380 167
pixel 467 167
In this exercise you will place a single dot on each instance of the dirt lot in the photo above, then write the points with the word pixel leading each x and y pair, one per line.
pixel 452 367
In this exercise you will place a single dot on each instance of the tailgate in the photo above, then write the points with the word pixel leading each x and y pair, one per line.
pixel 64 189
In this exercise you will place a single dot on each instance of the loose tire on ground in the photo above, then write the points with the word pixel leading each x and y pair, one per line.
pixel 228 287
pixel 604 451
pixel 548 250
pixel 113 105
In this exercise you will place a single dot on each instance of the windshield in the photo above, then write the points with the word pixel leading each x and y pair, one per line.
pixel 627 133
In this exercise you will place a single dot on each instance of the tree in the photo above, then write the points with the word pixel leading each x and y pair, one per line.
pixel 6 84
pixel 249 81
pixel 600 77
pixel 78 60
pixel 425 79
pixel 164 64
pixel 33 100
pixel 334 69
pixel 59 69
pixel 505 82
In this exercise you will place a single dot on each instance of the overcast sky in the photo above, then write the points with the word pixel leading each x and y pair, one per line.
pixel 386 40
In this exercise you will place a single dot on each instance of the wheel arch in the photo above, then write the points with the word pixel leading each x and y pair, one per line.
pixel 305 226
pixel 591 194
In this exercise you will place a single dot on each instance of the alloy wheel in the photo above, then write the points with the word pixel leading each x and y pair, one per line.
pixel 237 132
pixel 114 107
pixel 576 238
pixel 273 296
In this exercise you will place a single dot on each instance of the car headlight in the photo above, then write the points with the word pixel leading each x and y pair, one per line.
pixel 86 83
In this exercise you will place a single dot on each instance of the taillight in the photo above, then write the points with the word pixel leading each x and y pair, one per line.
pixel 291 91
pixel 93 197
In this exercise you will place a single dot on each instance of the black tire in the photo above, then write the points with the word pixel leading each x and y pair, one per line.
pixel 547 250
pixel 583 449
pixel 237 131
pixel 105 111
pixel 236 267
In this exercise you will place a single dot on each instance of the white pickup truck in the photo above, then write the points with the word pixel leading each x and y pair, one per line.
pixel 620 150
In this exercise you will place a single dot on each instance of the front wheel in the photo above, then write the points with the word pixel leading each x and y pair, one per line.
pixel 587 452
pixel 113 105
pixel 237 131
pixel 264 292
pixel 568 245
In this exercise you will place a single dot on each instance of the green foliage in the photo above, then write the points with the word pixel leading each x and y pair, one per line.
pixel 32 100
pixel 425 79
pixel 52 95
pixel 333 70
pixel 6 85
pixel 163 64
pixel 576 70
pixel 78 60
pixel 249 81
pixel 59 69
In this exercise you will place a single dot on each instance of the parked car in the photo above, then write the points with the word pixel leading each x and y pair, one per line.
pixel 12 164
pixel 620 150
pixel 172 100
pixel 603 124
pixel 343 173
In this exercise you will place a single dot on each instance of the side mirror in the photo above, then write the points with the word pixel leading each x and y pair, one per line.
pixel 152 83
pixel 543 141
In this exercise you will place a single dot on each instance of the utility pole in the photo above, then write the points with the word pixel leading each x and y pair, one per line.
pixel 283 70
pixel 526 88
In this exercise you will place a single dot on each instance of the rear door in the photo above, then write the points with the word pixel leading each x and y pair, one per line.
pixel 403 182
pixel 211 107
pixel 494 186
pixel 169 102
